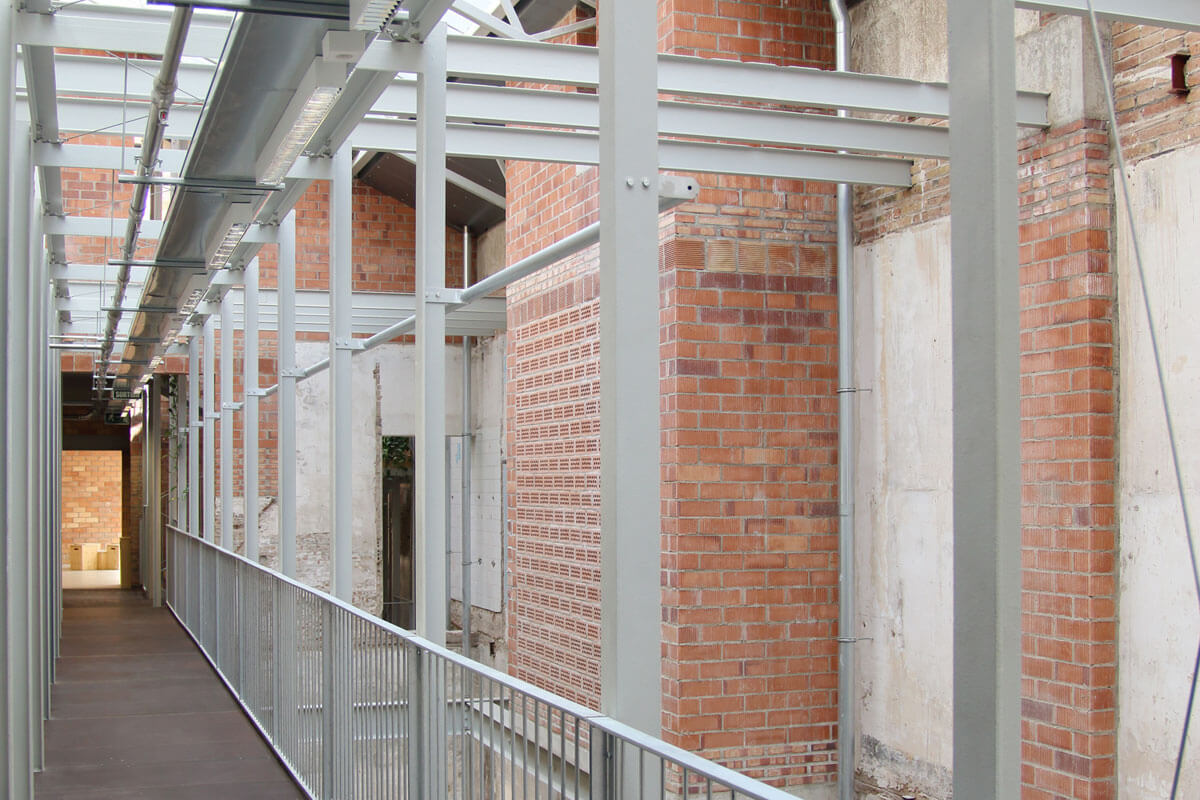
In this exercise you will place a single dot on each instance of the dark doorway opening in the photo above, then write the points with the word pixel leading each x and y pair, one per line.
pixel 398 523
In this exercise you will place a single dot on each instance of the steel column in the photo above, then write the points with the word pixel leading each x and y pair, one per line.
pixel 341 375
pixel 250 417
pixel 19 554
pixel 194 423
pixel 212 413
pixel 468 442
pixel 430 544
pixel 987 433
pixel 8 462
pixel 35 261
pixel 152 429
pixel 287 395
pixel 227 409
pixel 630 529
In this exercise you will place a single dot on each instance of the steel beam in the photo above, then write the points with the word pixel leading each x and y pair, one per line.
pixel 111 116
pixel 286 344
pixel 228 407
pixel 507 105
pixel 575 147
pixel 250 418
pixel 508 60
pixel 1181 14
pixel 630 524
pixel 341 380
pixel 123 30
pixel 430 544
pixel 986 416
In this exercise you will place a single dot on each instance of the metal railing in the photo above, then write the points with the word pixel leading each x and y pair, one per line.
pixel 358 708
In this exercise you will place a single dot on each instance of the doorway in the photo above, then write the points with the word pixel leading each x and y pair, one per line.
pixel 92 502
pixel 398 524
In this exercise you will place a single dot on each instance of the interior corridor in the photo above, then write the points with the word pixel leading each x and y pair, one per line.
pixel 137 712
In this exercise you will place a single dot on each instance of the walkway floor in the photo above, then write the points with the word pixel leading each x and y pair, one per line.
pixel 138 713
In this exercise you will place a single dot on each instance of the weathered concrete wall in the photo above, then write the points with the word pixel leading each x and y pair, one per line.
pixel 904 555
pixel 384 405
pixel 1158 606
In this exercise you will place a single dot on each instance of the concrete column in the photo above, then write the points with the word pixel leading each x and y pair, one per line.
pixel 987 433
pixel 630 529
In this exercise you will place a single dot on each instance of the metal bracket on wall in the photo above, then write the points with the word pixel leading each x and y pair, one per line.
pixel 450 297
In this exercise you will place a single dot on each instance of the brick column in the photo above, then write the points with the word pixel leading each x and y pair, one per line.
pixel 1069 463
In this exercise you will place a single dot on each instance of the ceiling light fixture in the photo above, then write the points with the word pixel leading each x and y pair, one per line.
pixel 314 97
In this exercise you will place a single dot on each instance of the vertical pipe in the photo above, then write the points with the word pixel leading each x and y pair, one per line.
pixel 227 407
pixel 630 514
pixel 986 418
pixel 341 384
pixel 212 413
pixel 193 481
pixel 250 417
pixel 287 395
pixel 19 555
pixel 468 439
pixel 430 544
pixel 846 443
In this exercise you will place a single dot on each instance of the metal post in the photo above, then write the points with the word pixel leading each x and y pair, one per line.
pixel 153 455
pixel 8 463
pixel 430 544
pixel 227 409
pixel 341 375
pixel 250 417
pixel 987 433
pixel 468 439
pixel 193 481
pixel 287 395
pixel 38 479
pixel 630 530
pixel 212 413
pixel 19 555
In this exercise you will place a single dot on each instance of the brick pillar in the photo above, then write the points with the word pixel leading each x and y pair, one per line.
pixel 1068 453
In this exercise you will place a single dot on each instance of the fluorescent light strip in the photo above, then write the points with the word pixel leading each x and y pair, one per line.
pixel 315 96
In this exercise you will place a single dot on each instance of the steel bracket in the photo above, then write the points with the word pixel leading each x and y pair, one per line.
pixel 349 344
pixel 291 373
pixel 445 296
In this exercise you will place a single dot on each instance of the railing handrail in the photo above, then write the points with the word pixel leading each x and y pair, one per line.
pixel 694 764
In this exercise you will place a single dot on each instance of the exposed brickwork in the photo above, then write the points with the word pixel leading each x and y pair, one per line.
pixel 749 434
pixel 91 497
pixel 1068 403
pixel 1153 119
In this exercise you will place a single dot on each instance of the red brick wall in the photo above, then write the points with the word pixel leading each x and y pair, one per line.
pixel 749 433
pixel 91 497
pixel 1068 404
pixel 1153 119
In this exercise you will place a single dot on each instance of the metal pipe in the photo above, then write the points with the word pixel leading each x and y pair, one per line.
pixel 250 420
pixel 846 473
pixel 161 98
pixel 467 439
pixel 287 395
pixel 564 248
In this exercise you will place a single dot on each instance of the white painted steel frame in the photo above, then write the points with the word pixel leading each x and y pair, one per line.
pixel 286 343
pixel 1181 14
pixel 250 417
pixel 341 378
pixel 212 414
pixel 986 411
pixel 228 406
pixel 630 447
pixel 195 425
